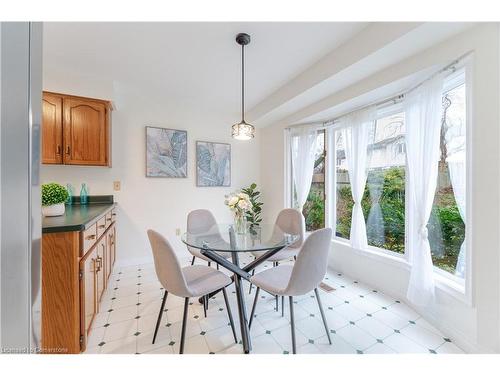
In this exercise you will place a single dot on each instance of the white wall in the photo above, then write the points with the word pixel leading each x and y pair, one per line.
pixel 475 327
pixel 158 203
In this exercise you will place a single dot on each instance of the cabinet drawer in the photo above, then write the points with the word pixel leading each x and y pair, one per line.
pixel 89 238
pixel 101 226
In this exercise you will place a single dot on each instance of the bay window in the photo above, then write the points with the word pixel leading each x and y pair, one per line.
pixel 383 203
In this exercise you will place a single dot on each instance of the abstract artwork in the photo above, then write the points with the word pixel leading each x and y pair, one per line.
pixel 166 152
pixel 213 164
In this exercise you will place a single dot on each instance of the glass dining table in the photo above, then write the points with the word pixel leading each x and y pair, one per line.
pixel 222 238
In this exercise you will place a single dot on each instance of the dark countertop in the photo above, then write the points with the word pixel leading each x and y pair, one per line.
pixel 77 217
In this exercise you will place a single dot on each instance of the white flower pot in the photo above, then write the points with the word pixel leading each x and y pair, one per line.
pixel 53 210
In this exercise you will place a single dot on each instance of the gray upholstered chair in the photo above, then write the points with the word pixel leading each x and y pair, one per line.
pixel 305 275
pixel 199 221
pixel 289 220
pixel 186 282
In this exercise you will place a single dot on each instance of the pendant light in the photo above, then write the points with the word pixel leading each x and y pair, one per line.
pixel 243 130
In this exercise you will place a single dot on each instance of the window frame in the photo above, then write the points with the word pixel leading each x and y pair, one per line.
pixel 460 288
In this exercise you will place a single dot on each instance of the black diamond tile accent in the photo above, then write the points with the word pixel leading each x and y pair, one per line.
pixel 384 308
pixel 202 333
pixel 168 324
pixel 355 282
pixel 112 299
pixel 447 339
pixel 171 343
pixel 106 325
pixel 139 276
pixel 342 286
pixel 119 273
pixel 352 323
pixel 211 353
pixel 380 341
pixel 138 293
pixel 102 343
pixel 137 317
pixel 432 351
pixel 138 303
pixel 359 351
pixel 361 296
pixel 190 303
pixel 311 341
pixel 346 301
pixel 398 301
pixel 138 284
pixel 196 316
pixel 268 332
pixel 221 309
pixel 369 315
pixel 116 288
pixel 286 352
pixel 397 331
pixel 333 331
pixel 110 310
pixel 339 274
pixel 311 315
pixel 411 322
pixel 374 291
pixel 137 334
pixel 330 308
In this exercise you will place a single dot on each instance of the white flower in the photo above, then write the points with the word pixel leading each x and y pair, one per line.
pixel 233 201
pixel 244 205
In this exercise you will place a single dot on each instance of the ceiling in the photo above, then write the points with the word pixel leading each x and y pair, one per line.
pixel 292 69
pixel 193 64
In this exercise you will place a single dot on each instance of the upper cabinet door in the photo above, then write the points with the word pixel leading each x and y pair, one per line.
pixel 86 134
pixel 52 129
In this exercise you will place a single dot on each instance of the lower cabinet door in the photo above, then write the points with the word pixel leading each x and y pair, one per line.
pixel 109 252
pixel 101 251
pixel 88 293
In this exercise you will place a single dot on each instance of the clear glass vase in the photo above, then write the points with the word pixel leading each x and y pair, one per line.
pixel 240 224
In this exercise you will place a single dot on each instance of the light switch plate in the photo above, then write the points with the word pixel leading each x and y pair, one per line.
pixel 178 232
pixel 117 185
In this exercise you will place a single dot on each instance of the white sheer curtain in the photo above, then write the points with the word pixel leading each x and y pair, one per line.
pixel 423 115
pixel 303 157
pixel 356 134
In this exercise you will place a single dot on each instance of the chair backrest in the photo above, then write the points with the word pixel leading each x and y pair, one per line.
pixel 167 266
pixel 310 266
pixel 199 221
pixel 292 221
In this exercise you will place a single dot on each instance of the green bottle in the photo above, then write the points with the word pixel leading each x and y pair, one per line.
pixel 84 193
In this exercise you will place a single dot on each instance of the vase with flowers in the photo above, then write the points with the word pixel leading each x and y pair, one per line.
pixel 240 205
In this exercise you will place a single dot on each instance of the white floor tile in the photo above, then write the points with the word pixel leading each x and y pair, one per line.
pixel 120 330
pixel 390 319
pixel 220 339
pixel 356 337
pixel 125 313
pixel 338 346
pixel 404 311
pixel 144 340
pixel 126 345
pixel 379 349
pixel 312 328
pixel 402 344
pixel 449 348
pixel 283 336
pixel 422 336
pixel 265 344
pixel 374 327
pixel 349 312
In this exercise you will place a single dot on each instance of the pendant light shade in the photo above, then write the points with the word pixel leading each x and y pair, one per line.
pixel 243 131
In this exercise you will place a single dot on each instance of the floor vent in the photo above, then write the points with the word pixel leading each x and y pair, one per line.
pixel 327 288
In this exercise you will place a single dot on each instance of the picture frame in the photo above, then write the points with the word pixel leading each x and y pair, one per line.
pixel 166 152
pixel 213 164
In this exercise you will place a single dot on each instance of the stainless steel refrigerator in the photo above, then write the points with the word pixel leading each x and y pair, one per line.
pixel 20 221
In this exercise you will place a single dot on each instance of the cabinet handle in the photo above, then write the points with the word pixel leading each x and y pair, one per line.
pixel 113 214
pixel 58 152
pixel 91 237
pixel 102 226
pixel 108 219
pixel 67 150
pixel 99 263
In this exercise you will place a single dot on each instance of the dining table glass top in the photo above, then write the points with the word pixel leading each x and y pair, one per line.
pixel 254 238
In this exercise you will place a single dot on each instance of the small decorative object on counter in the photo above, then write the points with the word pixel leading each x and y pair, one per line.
pixel 84 193
pixel 253 216
pixel 71 192
pixel 53 198
pixel 240 205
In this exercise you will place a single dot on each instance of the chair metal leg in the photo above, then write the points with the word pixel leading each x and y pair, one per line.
pixel 251 285
pixel 323 315
pixel 275 264
pixel 253 307
pixel 282 305
pixel 295 257
pixel 160 314
pixel 217 266
pixel 230 315
pixel 209 263
pixel 292 325
pixel 184 321
pixel 192 261
pixel 205 305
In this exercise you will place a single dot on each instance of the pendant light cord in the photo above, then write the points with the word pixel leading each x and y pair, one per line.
pixel 242 83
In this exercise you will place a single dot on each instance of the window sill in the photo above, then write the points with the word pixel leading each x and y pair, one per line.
pixel 448 285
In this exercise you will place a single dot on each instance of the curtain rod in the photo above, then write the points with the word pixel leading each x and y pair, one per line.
pixel 395 98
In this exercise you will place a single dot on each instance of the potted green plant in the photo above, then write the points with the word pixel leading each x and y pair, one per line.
pixel 53 198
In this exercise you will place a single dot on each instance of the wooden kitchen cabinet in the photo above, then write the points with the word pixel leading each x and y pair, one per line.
pixel 52 129
pixel 76 266
pixel 76 130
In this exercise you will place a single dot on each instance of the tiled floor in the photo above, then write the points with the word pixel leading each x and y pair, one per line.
pixel 361 320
